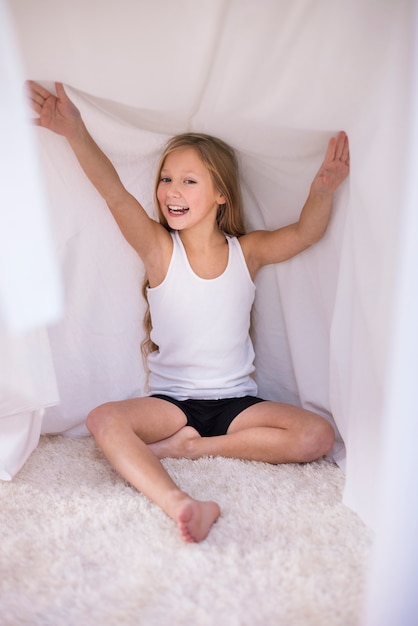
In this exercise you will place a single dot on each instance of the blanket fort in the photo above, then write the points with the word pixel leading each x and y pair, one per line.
pixel 275 80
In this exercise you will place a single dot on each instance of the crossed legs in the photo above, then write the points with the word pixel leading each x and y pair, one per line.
pixel 135 434
pixel 270 432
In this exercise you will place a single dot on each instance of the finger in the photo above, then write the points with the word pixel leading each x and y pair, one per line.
pixel 61 93
pixel 38 90
pixel 36 107
pixel 345 157
pixel 37 95
pixel 37 101
pixel 330 153
pixel 35 104
pixel 340 145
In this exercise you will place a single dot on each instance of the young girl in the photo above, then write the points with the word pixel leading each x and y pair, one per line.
pixel 200 268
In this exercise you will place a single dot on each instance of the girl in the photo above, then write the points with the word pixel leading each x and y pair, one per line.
pixel 200 268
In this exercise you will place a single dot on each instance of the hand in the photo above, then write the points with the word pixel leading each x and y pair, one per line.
pixel 57 113
pixel 335 166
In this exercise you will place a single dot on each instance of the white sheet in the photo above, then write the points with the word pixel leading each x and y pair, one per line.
pixel 276 80
pixel 30 288
pixel 392 597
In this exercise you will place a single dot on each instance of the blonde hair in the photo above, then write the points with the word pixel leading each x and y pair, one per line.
pixel 222 164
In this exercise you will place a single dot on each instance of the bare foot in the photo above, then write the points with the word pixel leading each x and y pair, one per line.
pixel 195 519
pixel 177 446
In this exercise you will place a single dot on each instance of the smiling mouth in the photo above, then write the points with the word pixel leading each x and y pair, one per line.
pixel 177 210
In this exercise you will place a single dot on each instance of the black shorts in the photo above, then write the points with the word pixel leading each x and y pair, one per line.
pixel 211 417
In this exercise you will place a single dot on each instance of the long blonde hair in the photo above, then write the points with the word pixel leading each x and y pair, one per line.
pixel 222 164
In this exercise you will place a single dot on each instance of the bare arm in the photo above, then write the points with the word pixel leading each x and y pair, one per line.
pixel 266 247
pixel 60 115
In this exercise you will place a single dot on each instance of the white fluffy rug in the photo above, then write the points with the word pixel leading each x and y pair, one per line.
pixel 81 547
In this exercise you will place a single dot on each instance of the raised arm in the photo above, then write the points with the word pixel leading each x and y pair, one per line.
pixel 60 115
pixel 266 247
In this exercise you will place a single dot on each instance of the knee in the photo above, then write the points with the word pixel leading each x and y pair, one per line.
pixel 317 441
pixel 101 420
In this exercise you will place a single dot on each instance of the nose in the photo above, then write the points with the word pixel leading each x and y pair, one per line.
pixel 173 190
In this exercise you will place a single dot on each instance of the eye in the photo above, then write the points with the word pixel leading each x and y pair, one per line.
pixel 189 181
pixel 165 179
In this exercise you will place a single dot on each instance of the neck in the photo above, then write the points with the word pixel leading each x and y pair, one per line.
pixel 202 237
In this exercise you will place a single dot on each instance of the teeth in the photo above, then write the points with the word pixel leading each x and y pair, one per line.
pixel 177 209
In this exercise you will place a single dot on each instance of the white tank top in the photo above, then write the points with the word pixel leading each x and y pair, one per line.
pixel 202 329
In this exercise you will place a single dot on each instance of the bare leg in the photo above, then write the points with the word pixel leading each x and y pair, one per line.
pixel 270 432
pixel 115 428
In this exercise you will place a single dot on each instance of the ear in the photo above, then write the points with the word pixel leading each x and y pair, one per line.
pixel 220 199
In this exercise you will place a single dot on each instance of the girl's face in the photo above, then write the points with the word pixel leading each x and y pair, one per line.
pixel 186 193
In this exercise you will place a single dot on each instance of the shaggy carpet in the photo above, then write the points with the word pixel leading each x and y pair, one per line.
pixel 79 546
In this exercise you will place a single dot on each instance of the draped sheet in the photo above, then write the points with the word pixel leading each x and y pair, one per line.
pixel 30 288
pixel 275 80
